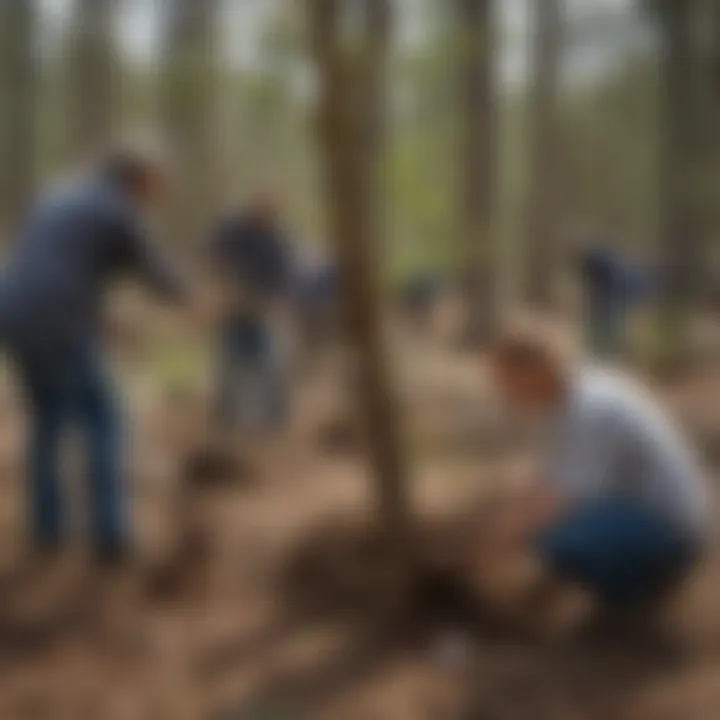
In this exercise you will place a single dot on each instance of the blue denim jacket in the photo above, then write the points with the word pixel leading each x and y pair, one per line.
pixel 74 244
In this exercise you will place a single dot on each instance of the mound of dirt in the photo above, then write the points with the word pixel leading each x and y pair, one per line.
pixel 346 569
pixel 209 466
pixel 339 435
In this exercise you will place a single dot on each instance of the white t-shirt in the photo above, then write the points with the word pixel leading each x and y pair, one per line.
pixel 612 440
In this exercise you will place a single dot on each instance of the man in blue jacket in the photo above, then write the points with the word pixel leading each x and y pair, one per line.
pixel 74 244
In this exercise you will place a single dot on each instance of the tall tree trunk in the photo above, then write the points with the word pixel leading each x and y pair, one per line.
pixel 542 222
pixel 188 84
pixel 679 176
pixel 351 118
pixel 477 165
pixel 714 19
pixel 19 85
pixel 94 76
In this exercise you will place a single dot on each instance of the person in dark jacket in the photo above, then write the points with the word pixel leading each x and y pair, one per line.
pixel 74 244
pixel 612 288
pixel 250 257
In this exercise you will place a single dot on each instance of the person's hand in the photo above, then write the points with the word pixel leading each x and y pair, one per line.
pixel 216 297
pixel 526 517
pixel 515 528
pixel 125 333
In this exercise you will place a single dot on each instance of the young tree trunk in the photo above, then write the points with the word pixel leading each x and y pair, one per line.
pixel 477 165
pixel 542 222
pixel 714 19
pixel 351 118
pixel 93 75
pixel 188 97
pixel 19 85
pixel 679 172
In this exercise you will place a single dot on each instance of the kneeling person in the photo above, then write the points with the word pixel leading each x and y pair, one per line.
pixel 621 507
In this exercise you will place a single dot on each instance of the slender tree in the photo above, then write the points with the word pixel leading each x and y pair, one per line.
pixel 477 163
pixel 715 21
pixel 680 159
pixel 18 99
pixel 93 95
pixel 352 111
pixel 188 97
pixel 542 222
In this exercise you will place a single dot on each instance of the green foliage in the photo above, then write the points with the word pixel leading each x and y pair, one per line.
pixel 609 161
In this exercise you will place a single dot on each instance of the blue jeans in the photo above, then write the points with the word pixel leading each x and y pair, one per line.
pixel 624 554
pixel 66 392
pixel 248 357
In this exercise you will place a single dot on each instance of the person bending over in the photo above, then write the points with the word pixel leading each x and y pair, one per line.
pixel 76 241
pixel 249 257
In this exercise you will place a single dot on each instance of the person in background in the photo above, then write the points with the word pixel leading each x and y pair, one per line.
pixel 75 243
pixel 250 259
pixel 620 507
pixel 419 295
pixel 612 289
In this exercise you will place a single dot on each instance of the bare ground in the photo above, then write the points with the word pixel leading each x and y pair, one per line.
pixel 259 590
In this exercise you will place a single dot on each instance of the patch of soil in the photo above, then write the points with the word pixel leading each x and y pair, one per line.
pixel 339 436
pixel 346 569
pixel 166 583
pixel 208 466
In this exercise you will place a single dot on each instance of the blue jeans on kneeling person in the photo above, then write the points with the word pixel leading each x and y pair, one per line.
pixel 623 553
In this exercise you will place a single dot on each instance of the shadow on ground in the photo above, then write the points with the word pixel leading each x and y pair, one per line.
pixel 338 578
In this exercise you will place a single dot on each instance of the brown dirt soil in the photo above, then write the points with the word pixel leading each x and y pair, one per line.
pixel 264 596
